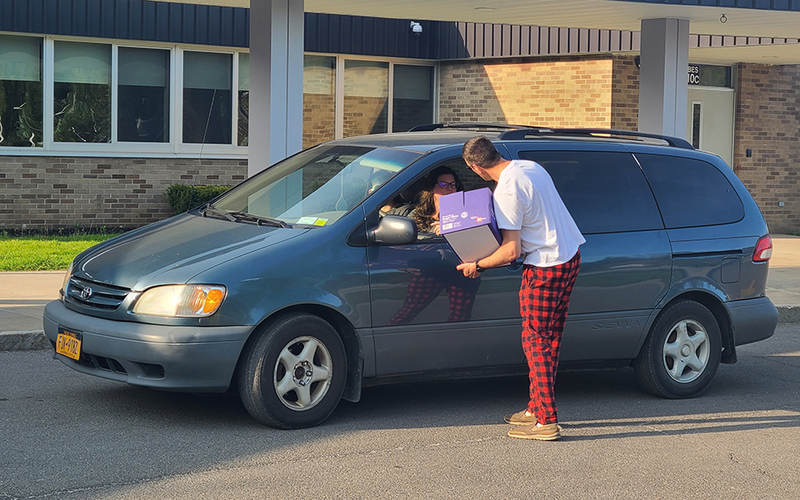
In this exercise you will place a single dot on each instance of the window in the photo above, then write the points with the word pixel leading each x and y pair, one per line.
pixel 207 99
pixel 319 99
pixel 413 97
pixel 144 97
pixel 315 187
pixel 604 191
pixel 366 97
pixel 244 99
pixel 82 92
pixel 697 124
pixel 20 92
pixel 691 192
pixel 143 109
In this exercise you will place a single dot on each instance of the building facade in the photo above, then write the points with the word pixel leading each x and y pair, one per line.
pixel 103 105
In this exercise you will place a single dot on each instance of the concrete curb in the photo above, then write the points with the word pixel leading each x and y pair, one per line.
pixel 36 340
pixel 23 341
pixel 788 314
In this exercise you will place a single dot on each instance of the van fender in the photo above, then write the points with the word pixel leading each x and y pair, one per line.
pixel 352 338
pixel 704 292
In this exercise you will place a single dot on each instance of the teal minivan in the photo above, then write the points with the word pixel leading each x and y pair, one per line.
pixel 289 287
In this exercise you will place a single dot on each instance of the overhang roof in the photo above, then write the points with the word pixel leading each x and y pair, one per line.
pixel 770 22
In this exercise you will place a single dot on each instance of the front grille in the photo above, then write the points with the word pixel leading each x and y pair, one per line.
pixel 97 295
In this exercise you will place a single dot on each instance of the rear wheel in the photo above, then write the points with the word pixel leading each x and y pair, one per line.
pixel 682 352
pixel 293 373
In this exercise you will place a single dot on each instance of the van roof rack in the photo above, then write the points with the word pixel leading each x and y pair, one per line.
pixel 518 134
pixel 468 126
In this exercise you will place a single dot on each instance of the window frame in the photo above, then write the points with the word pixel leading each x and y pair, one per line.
pixel 175 147
pixel 339 85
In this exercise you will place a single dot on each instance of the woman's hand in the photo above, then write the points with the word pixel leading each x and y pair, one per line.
pixel 436 228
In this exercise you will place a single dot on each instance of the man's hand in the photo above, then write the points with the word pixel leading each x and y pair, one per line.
pixel 469 269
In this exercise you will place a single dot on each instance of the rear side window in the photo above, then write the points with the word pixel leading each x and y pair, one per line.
pixel 691 192
pixel 604 191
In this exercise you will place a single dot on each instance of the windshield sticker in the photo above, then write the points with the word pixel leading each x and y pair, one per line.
pixel 307 220
pixel 320 222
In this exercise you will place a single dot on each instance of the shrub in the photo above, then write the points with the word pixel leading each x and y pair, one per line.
pixel 182 197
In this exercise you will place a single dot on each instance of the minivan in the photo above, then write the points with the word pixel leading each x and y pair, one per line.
pixel 289 286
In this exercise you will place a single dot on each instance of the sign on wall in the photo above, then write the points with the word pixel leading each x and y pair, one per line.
pixel 710 76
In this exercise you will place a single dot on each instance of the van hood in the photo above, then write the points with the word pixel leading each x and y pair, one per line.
pixel 173 251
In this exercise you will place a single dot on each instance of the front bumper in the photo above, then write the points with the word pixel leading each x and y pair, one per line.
pixel 178 358
pixel 752 320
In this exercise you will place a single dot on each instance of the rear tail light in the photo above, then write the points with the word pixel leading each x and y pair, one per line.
pixel 763 250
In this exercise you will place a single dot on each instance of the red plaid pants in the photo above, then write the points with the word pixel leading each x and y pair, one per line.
pixel 544 300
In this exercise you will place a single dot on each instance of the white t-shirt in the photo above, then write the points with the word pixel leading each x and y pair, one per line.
pixel 526 200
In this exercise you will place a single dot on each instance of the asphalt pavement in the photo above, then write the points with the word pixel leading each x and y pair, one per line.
pixel 23 296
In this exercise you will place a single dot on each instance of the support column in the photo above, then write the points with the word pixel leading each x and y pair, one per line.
pixel 276 81
pixel 663 80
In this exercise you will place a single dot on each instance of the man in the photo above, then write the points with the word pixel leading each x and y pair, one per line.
pixel 533 221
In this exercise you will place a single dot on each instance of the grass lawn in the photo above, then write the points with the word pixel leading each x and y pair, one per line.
pixel 44 253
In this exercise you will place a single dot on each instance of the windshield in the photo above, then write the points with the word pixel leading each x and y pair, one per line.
pixel 316 187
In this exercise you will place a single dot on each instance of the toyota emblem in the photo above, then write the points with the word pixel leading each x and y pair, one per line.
pixel 86 293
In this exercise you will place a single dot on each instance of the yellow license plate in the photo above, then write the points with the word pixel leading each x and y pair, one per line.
pixel 69 344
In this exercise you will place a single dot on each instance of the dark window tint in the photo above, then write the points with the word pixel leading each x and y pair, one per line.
pixel 143 91
pixel 691 192
pixel 604 192
pixel 207 98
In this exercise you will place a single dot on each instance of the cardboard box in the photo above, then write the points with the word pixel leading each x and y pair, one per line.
pixel 468 223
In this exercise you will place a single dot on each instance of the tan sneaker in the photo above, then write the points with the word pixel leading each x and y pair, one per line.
pixel 520 418
pixel 549 432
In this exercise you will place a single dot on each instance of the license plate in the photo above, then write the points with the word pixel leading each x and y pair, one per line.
pixel 69 344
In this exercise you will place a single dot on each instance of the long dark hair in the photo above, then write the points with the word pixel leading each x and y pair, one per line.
pixel 426 206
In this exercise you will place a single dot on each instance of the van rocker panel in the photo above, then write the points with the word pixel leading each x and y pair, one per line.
pixel 194 359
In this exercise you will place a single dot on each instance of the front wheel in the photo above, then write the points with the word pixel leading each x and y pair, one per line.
pixel 681 355
pixel 293 373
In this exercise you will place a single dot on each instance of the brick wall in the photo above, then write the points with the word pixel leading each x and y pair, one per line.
pixel 319 100
pixel 318 119
pixel 625 94
pixel 558 92
pixel 768 123
pixel 50 192
pixel 365 115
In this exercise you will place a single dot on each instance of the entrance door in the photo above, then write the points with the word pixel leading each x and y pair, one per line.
pixel 710 120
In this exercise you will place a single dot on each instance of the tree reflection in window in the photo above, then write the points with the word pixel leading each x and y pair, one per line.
pixel 82 92
pixel 20 91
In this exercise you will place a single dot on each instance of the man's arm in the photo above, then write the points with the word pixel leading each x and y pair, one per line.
pixel 510 249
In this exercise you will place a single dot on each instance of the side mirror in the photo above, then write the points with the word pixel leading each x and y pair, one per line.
pixel 393 230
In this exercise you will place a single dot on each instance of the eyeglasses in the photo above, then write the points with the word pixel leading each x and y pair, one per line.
pixel 447 185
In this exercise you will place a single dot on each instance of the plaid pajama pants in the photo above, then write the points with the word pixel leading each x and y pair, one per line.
pixel 544 300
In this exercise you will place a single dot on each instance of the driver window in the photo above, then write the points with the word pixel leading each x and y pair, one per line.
pixel 419 201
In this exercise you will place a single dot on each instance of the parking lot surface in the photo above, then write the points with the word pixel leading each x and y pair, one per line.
pixel 67 435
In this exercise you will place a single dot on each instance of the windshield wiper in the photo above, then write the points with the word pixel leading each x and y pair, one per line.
pixel 244 216
pixel 210 210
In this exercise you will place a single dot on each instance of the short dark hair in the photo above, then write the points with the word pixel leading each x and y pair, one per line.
pixel 480 151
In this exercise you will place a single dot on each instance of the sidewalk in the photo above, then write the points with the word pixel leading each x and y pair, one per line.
pixel 23 296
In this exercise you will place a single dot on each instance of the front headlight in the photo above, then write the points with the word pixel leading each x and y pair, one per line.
pixel 180 301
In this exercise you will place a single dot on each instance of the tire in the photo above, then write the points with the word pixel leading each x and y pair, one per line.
pixel 293 374
pixel 681 354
